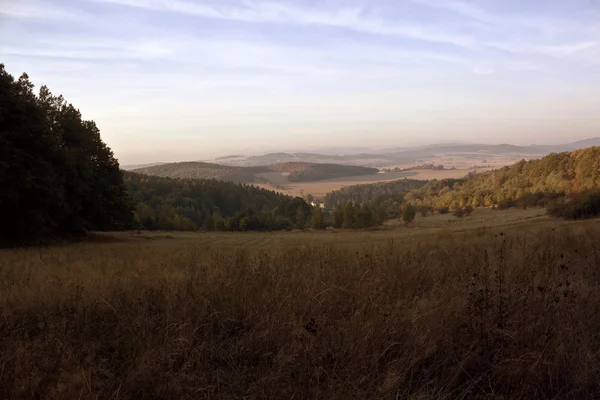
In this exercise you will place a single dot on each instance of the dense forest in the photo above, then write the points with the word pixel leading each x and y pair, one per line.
pixel 191 204
pixel 526 183
pixel 202 170
pixel 58 177
pixel 297 171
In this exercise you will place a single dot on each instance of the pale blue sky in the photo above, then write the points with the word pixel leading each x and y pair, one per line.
pixel 187 79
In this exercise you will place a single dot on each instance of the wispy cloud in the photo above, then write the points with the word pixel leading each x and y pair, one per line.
pixel 354 18
pixel 192 66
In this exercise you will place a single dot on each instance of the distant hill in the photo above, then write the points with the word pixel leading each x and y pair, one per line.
pixel 201 170
pixel 138 166
pixel 585 143
pixel 304 172
pixel 297 171
pixel 411 155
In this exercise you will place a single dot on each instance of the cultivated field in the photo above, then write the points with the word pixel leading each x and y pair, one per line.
pixel 278 181
pixel 502 304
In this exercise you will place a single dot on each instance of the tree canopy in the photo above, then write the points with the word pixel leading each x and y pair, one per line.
pixel 191 204
pixel 58 177
pixel 526 183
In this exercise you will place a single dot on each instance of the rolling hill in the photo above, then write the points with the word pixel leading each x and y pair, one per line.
pixel 505 152
pixel 201 170
pixel 294 171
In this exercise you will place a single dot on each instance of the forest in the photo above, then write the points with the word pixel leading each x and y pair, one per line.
pixel 526 183
pixel 379 193
pixel 192 204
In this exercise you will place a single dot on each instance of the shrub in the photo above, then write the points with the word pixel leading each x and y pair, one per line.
pixel 408 215
pixel 459 213
pixel 585 205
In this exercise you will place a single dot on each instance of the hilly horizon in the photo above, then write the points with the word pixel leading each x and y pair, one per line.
pixel 386 158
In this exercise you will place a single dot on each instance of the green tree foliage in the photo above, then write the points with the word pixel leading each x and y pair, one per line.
pixel 579 206
pixel 190 204
pixel 409 213
pixel 380 193
pixel 349 216
pixel 356 216
pixel 58 177
pixel 300 218
pixel 526 183
pixel 338 217
pixel 318 219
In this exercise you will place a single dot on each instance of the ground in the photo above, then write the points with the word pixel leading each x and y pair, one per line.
pixel 497 305
pixel 424 228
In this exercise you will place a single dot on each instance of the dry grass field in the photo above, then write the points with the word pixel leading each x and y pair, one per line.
pixel 498 305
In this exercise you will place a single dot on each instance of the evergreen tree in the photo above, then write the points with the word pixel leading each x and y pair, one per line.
pixel 58 177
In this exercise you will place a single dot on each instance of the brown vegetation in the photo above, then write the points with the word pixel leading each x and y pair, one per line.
pixel 486 314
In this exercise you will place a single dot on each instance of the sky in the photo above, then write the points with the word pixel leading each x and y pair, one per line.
pixel 173 80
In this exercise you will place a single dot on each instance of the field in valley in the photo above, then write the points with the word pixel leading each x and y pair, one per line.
pixel 278 181
pixel 501 304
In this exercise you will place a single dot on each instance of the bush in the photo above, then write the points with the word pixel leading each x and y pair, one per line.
pixel 408 215
pixel 506 204
pixel 459 213
pixel 443 210
pixel 585 205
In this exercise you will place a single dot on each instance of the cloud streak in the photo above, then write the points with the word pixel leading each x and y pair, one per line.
pixel 258 69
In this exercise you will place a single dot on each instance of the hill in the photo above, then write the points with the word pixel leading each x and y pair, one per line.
pixel 201 170
pixel 305 172
pixel 140 166
pixel 461 153
pixel 524 183
pixel 296 171
pixel 584 143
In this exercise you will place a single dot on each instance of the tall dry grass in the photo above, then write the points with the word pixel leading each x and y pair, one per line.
pixel 490 316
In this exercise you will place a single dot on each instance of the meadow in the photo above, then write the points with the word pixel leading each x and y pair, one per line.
pixel 498 305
